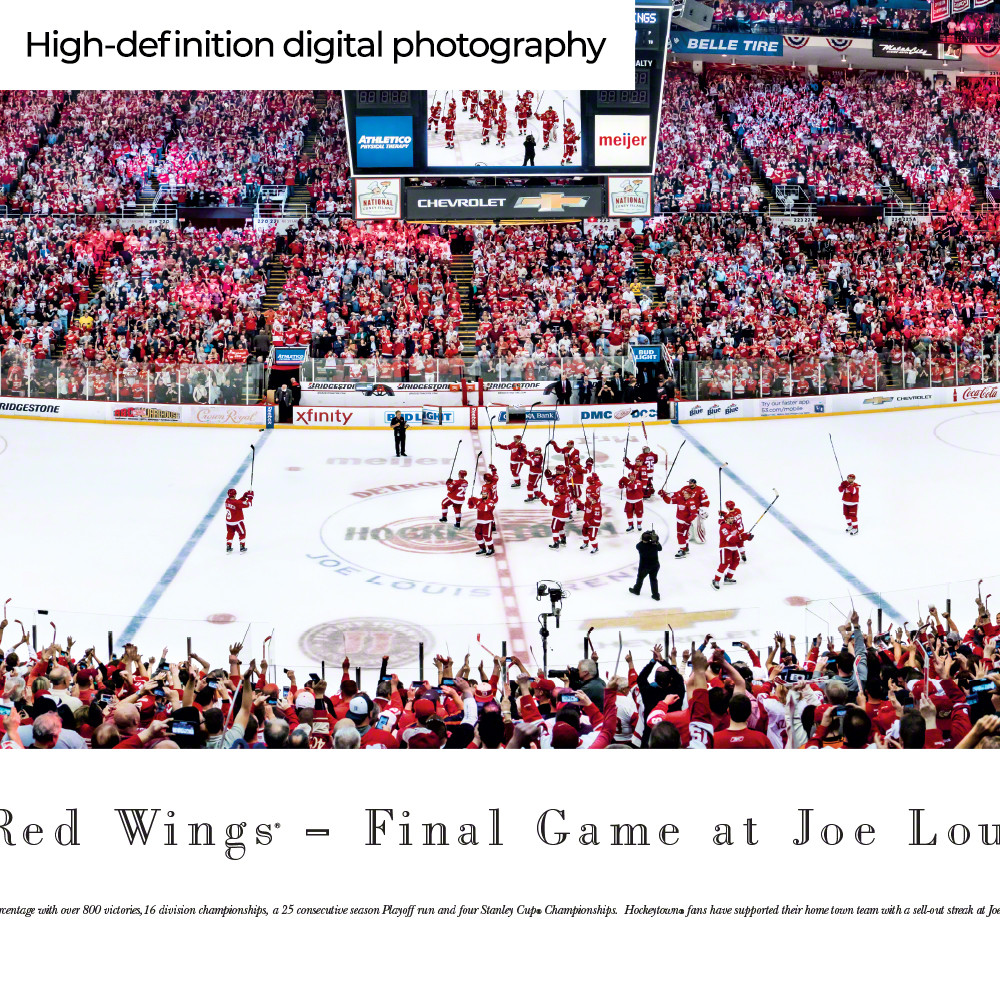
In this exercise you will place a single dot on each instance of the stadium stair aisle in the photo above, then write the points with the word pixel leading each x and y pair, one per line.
pixel 298 199
pixel 975 181
pixel 461 270
pixel 766 188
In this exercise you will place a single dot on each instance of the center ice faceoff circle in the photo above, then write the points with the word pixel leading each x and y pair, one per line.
pixel 369 534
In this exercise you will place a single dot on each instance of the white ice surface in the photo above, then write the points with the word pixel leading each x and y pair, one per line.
pixel 121 529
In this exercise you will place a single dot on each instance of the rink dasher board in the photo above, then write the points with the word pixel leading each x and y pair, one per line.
pixel 473 418
pixel 311 418
pixel 133 414
pixel 848 404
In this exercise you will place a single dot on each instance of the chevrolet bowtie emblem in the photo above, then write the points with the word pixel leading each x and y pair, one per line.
pixel 551 201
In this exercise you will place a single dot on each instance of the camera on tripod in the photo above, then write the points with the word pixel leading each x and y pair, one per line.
pixel 553 590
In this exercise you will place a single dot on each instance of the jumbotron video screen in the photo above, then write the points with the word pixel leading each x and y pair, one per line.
pixel 528 130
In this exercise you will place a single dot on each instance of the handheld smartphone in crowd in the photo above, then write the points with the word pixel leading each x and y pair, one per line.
pixel 569 699
pixel 214 685
pixel 737 645
pixel 285 690
pixel 448 682
pixel 384 721
pixel 273 701
pixel 159 692
pixel 979 699
pixel 5 708
pixel 179 728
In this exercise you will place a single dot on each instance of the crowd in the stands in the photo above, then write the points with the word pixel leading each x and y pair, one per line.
pixel 90 310
pixel 364 295
pixel 934 686
pixel 794 18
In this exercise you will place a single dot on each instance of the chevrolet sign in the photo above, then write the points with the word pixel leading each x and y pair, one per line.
pixel 564 201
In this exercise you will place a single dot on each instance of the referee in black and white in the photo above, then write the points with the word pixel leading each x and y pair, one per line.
pixel 399 433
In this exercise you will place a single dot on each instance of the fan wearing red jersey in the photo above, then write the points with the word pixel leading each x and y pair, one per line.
pixel 849 491
pixel 561 505
pixel 455 497
pixel 234 518
pixel 634 495
pixel 731 539
pixel 484 506
pixel 593 513
pixel 518 456
pixel 739 736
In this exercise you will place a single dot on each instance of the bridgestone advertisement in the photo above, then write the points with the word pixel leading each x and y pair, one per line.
pixel 560 203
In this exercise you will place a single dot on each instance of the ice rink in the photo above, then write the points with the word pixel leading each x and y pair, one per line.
pixel 121 528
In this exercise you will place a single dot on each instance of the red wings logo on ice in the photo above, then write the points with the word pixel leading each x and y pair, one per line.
pixel 423 534
pixel 365 641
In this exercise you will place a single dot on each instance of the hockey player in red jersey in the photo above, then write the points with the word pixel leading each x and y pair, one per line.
pixel 850 492
pixel 491 479
pixel 643 466
pixel 569 452
pixel 731 539
pixel 570 137
pixel 559 478
pixel 449 126
pixel 535 460
pixel 549 120
pixel 593 513
pixel 484 506
pixel 234 518
pixel 632 486
pixel 522 111
pixel 562 505
pixel 501 116
pixel 455 497
pixel 689 500
pixel 518 456
pixel 731 508
pixel 435 117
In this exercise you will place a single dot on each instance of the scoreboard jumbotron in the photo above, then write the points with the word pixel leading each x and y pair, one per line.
pixel 524 132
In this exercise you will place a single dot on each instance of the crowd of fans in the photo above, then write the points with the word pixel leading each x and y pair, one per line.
pixel 99 152
pixel 697 166
pixel 90 310
pixel 231 142
pixel 936 686
pixel 841 19
pixel 748 308
pixel 971 27
pixel 382 291
pixel 326 170
pixel 794 133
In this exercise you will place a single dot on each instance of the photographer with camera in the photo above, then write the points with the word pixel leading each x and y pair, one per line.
pixel 648 548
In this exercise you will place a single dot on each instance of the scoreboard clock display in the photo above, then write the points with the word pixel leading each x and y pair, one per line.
pixel 406 133
pixel 383 100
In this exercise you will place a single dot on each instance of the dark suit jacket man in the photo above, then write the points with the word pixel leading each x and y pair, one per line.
pixel 283 397
pixel 564 390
